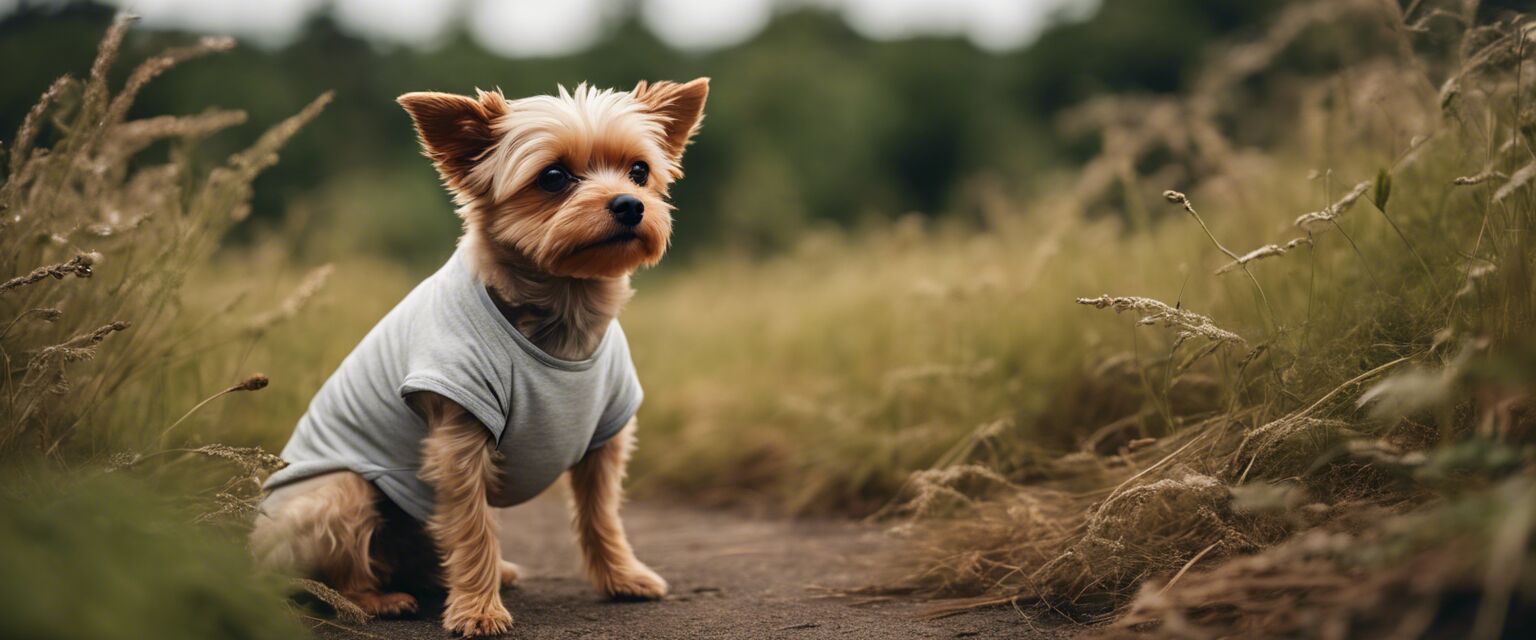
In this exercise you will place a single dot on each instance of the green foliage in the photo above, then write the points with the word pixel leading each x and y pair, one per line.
pixel 104 558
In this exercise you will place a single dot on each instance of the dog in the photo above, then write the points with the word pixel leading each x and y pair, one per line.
pixel 502 371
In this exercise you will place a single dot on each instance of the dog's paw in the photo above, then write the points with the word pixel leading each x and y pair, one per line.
pixel 477 617
pixel 383 604
pixel 509 574
pixel 632 581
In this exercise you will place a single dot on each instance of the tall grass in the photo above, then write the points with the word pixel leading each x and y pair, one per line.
pixel 128 231
pixel 106 221
pixel 842 367
pixel 1371 440
pixel 1318 390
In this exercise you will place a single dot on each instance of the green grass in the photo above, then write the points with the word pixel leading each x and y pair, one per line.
pixel 106 558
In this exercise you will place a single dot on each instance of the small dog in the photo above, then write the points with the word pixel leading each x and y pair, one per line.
pixel 503 370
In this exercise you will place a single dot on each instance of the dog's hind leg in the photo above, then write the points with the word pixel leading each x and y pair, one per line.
pixel 510 573
pixel 597 489
pixel 323 527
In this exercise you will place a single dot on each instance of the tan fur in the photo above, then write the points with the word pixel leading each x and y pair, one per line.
pixel 323 527
pixel 460 124
pixel 510 573
pixel 597 490
pixel 458 461
pixel 558 267
pixel 564 317
pixel 680 107
pixel 542 254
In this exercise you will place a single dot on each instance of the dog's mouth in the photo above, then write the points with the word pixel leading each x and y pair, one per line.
pixel 623 237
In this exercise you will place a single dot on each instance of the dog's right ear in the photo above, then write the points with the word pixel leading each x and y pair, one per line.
pixel 456 131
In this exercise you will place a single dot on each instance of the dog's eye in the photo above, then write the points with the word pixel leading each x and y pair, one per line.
pixel 555 179
pixel 639 172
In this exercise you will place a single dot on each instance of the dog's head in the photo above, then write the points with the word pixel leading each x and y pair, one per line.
pixel 577 183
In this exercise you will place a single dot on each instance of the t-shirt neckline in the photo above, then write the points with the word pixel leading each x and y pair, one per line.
pixel 522 341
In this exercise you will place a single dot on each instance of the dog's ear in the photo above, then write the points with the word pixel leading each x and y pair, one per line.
pixel 680 108
pixel 455 130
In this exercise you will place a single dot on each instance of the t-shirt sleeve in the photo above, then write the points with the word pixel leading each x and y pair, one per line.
pixel 449 344
pixel 623 402
pixel 479 404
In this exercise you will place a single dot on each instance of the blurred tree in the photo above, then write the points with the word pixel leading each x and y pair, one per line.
pixel 809 123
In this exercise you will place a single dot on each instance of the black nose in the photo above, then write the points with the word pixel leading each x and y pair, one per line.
pixel 627 209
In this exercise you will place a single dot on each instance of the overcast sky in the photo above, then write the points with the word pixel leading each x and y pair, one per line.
pixel 546 27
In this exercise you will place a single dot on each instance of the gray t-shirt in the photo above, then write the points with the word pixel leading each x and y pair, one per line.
pixel 447 337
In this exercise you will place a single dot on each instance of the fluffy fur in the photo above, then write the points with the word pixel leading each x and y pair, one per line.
pixel 558 266
pixel 597 488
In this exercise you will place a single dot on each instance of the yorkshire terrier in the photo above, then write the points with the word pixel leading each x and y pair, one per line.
pixel 502 371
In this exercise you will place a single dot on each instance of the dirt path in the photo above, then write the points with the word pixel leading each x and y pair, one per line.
pixel 731 577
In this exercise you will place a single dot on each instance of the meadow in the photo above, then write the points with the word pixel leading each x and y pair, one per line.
pixel 1262 365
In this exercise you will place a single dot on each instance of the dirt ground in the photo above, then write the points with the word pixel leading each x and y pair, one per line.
pixel 731 577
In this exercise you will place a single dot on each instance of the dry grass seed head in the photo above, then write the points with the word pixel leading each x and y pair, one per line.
pixel 1189 323
pixel 1266 251
pixel 153 67
pixel 1286 447
pixel 251 460
pixel 227 191
pixel 1516 180
pixel 47 364
pixel 346 610
pixel 134 136
pixel 290 307
pixel 78 266
pixel 96 90
pixel 31 124
pixel 1476 274
pixel 1309 221
pixel 1479 178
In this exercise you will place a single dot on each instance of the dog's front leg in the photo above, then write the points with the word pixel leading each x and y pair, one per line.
pixel 457 460
pixel 597 488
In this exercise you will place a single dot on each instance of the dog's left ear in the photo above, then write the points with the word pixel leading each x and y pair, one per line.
pixel 455 130
pixel 680 106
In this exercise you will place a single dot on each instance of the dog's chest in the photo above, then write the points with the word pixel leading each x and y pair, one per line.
pixel 551 424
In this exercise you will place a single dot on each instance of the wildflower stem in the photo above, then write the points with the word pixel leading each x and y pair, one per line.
pixel 1182 200
pixel 1404 237
pixel 253 383
pixel 1368 269
pixel 47 314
